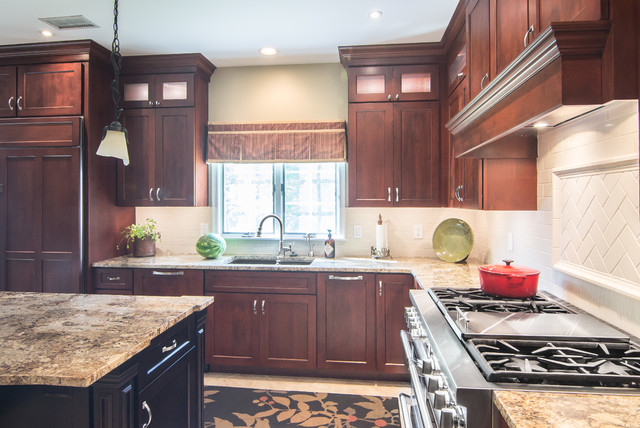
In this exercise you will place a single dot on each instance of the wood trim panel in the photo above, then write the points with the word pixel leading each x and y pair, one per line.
pixel 41 132
pixel 260 282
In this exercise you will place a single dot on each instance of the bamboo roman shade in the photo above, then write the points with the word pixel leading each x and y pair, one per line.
pixel 277 142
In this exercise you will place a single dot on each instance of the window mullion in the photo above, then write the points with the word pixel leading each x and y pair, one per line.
pixel 278 194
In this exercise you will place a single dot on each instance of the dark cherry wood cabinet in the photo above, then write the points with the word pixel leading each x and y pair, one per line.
pixel 394 154
pixel 166 112
pixel 268 328
pixel 68 198
pixel 393 83
pixel 41 90
pixel 346 321
pixel 168 282
pixel 478 46
pixel 392 296
pixel 112 281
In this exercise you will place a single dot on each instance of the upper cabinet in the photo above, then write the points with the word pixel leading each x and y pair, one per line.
pixel 393 83
pixel 41 90
pixel 165 99
pixel 478 46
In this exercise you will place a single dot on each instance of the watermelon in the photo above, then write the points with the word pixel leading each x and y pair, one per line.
pixel 211 245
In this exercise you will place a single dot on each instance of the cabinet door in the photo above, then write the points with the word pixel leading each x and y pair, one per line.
pixel 478 46
pixel 367 84
pixel 288 331
pixel 233 336
pixel 370 154
pixel 175 157
pixel 168 282
pixel 49 89
pixel 416 155
pixel 171 399
pixel 8 107
pixel 509 184
pixel 138 91
pixel 136 182
pixel 456 165
pixel 511 26
pixel 415 83
pixel 174 90
pixel 40 220
pixel 391 298
pixel 470 192
pixel 346 321
pixel 575 10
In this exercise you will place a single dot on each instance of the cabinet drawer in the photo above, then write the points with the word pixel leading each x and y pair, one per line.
pixel 260 282
pixel 164 350
pixel 168 282
pixel 112 279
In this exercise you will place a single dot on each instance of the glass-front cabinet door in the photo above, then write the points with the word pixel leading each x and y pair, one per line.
pixel 393 83
pixel 157 90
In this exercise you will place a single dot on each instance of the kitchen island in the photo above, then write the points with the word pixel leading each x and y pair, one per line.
pixel 96 360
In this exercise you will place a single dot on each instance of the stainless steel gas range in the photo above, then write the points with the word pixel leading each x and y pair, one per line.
pixel 462 344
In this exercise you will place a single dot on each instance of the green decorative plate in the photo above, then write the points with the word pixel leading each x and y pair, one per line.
pixel 453 240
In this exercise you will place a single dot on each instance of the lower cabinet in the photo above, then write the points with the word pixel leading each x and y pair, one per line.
pixel 168 282
pixel 262 330
pixel 346 321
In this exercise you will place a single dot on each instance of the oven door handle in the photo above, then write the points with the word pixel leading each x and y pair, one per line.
pixel 407 408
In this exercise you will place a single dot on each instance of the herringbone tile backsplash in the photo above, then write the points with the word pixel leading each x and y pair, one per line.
pixel 599 221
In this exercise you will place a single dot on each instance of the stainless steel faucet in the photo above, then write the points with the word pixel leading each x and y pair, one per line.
pixel 281 249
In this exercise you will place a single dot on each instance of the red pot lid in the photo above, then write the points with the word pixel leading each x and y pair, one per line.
pixel 509 269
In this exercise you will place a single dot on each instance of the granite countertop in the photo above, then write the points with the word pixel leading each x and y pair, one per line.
pixel 523 409
pixel 429 272
pixel 75 339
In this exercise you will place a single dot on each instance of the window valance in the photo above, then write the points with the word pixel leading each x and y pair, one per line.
pixel 277 142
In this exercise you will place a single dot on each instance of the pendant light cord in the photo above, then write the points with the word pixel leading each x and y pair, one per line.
pixel 116 62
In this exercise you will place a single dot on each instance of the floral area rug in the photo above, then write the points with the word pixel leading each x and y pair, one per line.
pixel 241 407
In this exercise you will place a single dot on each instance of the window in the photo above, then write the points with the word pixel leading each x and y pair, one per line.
pixel 306 196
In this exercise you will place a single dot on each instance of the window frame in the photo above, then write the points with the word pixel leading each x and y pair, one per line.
pixel 217 198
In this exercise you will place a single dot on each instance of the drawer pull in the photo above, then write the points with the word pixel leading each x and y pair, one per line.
pixel 255 307
pixel 346 278
pixel 113 278
pixel 263 307
pixel 146 407
pixel 160 273
pixel 171 347
pixel 380 288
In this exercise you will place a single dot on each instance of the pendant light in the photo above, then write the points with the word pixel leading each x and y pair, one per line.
pixel 114 136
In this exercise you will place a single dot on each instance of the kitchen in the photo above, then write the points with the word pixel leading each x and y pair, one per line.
pixel 532 238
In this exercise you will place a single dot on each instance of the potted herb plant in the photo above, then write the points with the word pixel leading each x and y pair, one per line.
pixel 142 237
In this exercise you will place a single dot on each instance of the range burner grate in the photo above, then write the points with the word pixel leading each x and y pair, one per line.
pixel 571 363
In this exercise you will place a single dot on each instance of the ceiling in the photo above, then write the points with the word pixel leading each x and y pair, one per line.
pixel 231 32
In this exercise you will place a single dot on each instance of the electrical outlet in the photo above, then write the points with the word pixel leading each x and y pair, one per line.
pixel 417 231
pixel 204 228
pixel 357 231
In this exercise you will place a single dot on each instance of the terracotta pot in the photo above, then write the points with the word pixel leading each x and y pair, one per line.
pixel 144 247
pixel 509 281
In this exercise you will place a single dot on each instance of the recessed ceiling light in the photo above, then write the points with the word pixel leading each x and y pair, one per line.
pixel 46 33
pixel 269 51
pixel 375 14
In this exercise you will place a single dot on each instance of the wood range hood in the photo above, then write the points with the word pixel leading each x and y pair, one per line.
pixel 570 69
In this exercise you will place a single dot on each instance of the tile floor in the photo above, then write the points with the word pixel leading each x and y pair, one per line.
pixel 329 385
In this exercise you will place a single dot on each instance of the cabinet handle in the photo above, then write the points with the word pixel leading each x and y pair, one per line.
pixel 113 278
pixel 486 76
pixel 160 273
pixel 171 347
pixel 150 103
pixel 460 76
pixel 388 194
pixel 255 307
pixel 526 35
pixel 397 97
pixel 397 195
pixel 151 193
pixel 461 193
pixel 18 102
pixel 158 194
pixel 146 407
pixel 11 103
pixel 380 288
pixel 389 97
pixel 157 103
pixel 346 278
pixel 262 307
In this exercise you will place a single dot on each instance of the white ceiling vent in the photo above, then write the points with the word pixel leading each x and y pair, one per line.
pixel 68 22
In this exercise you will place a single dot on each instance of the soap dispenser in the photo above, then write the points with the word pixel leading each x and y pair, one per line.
pixel 329 247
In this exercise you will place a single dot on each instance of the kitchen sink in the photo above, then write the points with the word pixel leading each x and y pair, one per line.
pixel 270 260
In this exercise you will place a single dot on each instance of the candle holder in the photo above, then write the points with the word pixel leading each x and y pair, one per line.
pixel 382 253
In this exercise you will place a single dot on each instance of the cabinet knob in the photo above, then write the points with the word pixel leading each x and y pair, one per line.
pixel 460 76
pixel 157 103
pixel 150 103
pixel 18 102
pixel 526 35
pixel 397 97
pixel 389 97
pixel 11 103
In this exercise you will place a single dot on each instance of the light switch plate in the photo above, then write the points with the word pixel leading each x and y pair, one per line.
pixel 357 231
pixel 417 231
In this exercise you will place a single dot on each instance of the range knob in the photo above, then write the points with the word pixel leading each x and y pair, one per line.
pixel 434 383
pixel 452 417
pixel 440 399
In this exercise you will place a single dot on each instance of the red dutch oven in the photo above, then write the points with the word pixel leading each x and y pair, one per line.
pixel 509 281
